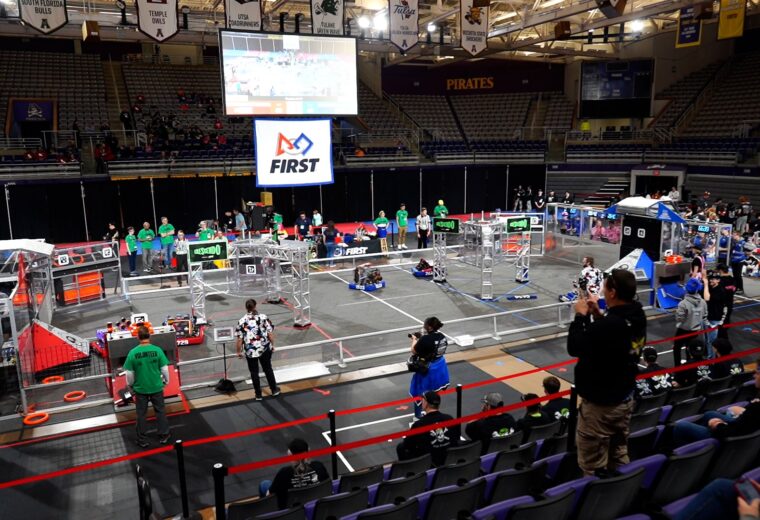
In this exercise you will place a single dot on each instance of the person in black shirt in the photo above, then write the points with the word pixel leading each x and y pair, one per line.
pixel 429 347
pixel 568 198
pixel 303 226
pixel 298 474
pixel 698 375
pixel 551 198
pixel 495 426
pixel 717 308
pixel 723 369
pixel 654 385
pixel 435 442
pixel 534 416
pixel 556 409
pixel 729 288
pixel 539 202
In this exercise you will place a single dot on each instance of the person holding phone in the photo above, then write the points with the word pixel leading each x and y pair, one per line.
pixel 719 498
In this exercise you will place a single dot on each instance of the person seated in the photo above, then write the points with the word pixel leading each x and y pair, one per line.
pixel 721 499
pixel 559 408
pixel 534 416
pixel 654 385
pixel 723 347
pixel 492 427
pixel 598 232
pixel 298 474
pixel 698 375
pixel 434 442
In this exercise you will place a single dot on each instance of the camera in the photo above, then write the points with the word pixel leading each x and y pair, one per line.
pixel 414 335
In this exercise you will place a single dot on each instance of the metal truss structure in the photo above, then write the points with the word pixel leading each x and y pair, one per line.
pixel 440 270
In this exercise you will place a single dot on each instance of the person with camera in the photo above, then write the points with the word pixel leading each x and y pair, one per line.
pixel 428 362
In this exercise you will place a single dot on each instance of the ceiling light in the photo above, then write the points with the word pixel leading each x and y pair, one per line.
pixel 364 22
pixel 637 25
pixel 380 22
pixel 431 27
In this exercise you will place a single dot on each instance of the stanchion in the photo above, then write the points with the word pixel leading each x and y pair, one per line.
pixel 219 472
pixel 459 401
pixel 572 421
pixel 183 482
pixel 333 442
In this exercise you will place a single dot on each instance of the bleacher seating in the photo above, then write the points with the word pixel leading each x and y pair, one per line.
pixel 433 114
pixel 492 116
pixel 717 151
pixel 559 112
pixel 612 152
pixel 376 114
pixel 683 93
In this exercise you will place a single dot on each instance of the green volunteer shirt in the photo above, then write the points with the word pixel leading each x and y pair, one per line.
pixel 146 236
pixel 168 239
pixel 206 234
pixel 402 217
pixel 381 222
pixel 439 211
pixel 131 241
pixel 146 362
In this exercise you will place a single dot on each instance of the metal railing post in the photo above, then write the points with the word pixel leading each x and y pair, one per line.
pixel 459 401
pixel 219 472
pixel 342 360
pixel 572 421
pixel 183 480
pixel 333 442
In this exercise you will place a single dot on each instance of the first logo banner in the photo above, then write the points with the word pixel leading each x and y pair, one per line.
pixel 293 152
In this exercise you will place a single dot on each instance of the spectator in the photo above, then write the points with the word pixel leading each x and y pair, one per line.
pixel 204 233
pixel 699 375
pixel 145 237
pixel 302 226
pixel 719 499
pixel 181 250
pixel 218 124
pixel 534 416
pixel 728 285
pixel 737 261
pixel 316 219
pixel 126 119
pixel 402 221
pixel 539 202
pixel 166 232
pixel 131 241
pixel 653 385
pixel 607 349
pixel 674 195
pixel 717 309
pixel 568 198
pixel 698 261
pixel 726 368
pixel 558 408
pixel 147 371
pixel 255 340
pixel 527 198
pixel 691 316
pixel 423 229
pixel 429 347
pixel 330 235
pixel 495 426
pixel 228 222
pixel 519 197
pixel 240 225
pixel 298 474
pixel 112 235
pixel 551 199
pixel 435 442
pixel 440 211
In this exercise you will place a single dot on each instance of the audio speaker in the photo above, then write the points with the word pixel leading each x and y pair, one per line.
pixel 562 30
pixel 611 8
pixel 90 31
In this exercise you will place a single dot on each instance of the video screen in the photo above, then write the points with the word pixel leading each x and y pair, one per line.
pixel 616 89
pixel 288 74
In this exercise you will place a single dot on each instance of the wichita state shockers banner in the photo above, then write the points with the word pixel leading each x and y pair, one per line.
pixel 158 18
pixel 689 32
pixel 403 18
pixel 293 152
pixel 243 14
pixel 731 19
pixel 327 17
pixel 45 16
pixel 473 24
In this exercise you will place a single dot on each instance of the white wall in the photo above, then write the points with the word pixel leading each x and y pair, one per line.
pixel 370 73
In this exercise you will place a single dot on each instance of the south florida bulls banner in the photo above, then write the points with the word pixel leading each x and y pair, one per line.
pixel 403 16
pixel 731 19
pixel 473 24
pixel 689 32
pixel 327 17
pixel 157 19
pixel 243 14
pixel 45 16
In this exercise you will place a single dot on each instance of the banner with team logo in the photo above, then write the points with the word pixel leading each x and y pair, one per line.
pixel 731 19
pixel 689 32
pixel 473 25
pixel 45 16
pixel 327 17
pixel 403 18
pixel 157 19
pixel 243 14
pixel 293 152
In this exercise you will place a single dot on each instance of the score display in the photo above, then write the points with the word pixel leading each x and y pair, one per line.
pixel 288 74
pixel 616 89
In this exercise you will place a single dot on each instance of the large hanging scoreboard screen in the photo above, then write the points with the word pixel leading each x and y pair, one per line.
pixel 616 89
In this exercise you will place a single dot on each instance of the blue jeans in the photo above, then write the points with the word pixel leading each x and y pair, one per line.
pixel 132 261
pixel 264 486
pixel 710 337
pixel 168 250
pixel 330 246
pixel 686 432
pixel 716 500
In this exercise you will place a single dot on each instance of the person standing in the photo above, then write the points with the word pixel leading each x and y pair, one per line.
pixel 717 309
pixel 303 226
pixel 316 219
pixel 607 348
pixel 429 347
pixel 255 339
pixel 440 211
pixel 539 202
pixel 181 250
pixel 674 196
pixel 737 260
pixel 240 225
pixel 145 237
pixel 691 316
pixel 166 231
pixel 131 241
pixel 729 288
pixel 568 198
pixel 423 229
pixel 402 220
pixel 204 233
pixel 519 196
pixel 147 371
pixel 112 235
pixel 381 224
pixel 330 235
pixel 551 198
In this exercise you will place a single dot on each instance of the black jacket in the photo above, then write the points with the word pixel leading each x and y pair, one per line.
pixel 435 442
pixel 608 351
pixel 746 423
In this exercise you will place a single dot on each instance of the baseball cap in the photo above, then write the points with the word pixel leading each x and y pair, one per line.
pixel 493 399
pixel 432 398
pixel 696 348
pixel 649 354
pixel 693 286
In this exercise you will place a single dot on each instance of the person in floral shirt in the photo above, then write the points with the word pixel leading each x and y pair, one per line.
pixel 255 341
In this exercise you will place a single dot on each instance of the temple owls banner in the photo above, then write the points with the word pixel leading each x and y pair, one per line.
pixel 45 16
pixel 158 18
pixel 327 17
pixel 402 19
pixel 473 23
pixel 243 14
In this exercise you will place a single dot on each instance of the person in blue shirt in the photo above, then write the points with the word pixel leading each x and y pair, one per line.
pixel 737 261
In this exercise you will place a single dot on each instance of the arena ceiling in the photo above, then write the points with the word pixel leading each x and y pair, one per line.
pixel 519 29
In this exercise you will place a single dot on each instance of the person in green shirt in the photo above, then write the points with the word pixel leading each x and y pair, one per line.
pixel 147 371
pixel 402 220
pixel 440 210
pixel 204 233
pixel 166 232
pixel 381 224
pixel 131 241
pixel 145 237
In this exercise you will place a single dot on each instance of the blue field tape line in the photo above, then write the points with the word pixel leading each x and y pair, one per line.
pixel 490 304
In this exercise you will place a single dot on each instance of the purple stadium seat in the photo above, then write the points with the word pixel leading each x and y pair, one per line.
pixel 695 446
pixel 500 510
pixel 651 465
pixel 635 517
pixel 577 485
pixel 753 474
pixel 552 464
pixel 674 507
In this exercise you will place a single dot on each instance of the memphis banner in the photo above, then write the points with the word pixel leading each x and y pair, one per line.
pixel 731 19
pixel 45 16
pixel 403 16
pixel 473 22
pixel 157 19
pixel 293 152
pixel 243 14
pixel 327 17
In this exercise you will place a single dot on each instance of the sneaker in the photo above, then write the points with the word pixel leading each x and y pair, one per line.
pixel 164 439
pixel 134 273
pixel 142 443
pixel 258 398
pixel 276 393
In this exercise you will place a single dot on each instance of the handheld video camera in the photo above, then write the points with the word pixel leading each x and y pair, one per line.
pixel 417 335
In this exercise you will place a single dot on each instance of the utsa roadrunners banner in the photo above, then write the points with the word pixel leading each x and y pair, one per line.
pixel 293 152
pixel 402 19
pixel 731 19
pixel 45 16
pixel 158 18
pixel 473 25
pixel 689 32
pixel 327 17
pixel 243 14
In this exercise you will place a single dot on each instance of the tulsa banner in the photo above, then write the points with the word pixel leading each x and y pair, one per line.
pixel 731 20
pixel 327 17
pixel 473 22
pixel 403 18
pixel 158 19
pixel 45 16
pixel 689 32
pixel 243 14
pixel 293 152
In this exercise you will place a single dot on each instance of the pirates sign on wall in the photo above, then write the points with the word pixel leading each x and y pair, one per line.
pixel 45 16
pixel 473 23
pixel 243 14
pixel 327 17
pixel 403 20
pixel 158 18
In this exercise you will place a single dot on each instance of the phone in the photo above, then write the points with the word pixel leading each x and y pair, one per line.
pixel 747 490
